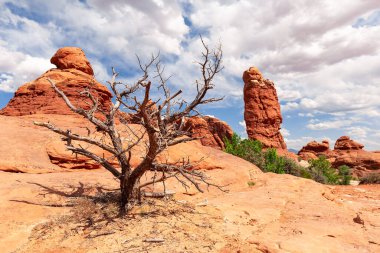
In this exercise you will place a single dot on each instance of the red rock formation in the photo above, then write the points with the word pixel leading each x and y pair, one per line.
pixel 72 58
pixel 346 152
pixel 262 110
pixel 313 149
pixel 211 130
pixel 345 143
pixel 73 75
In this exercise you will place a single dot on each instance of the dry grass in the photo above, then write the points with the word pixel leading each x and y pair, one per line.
pixel 165 225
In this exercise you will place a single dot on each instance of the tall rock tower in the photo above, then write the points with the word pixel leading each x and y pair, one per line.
pixel 262 112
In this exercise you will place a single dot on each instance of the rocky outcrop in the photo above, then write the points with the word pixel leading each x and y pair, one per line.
pixel 346 152
pixel 72 58
pixel 313 149
pixel 34 149
pixel 210 130
pixel 73 75
pixel 345 143
pixel 262 112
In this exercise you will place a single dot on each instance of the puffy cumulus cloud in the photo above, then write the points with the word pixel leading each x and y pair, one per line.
pixel 17 68
pixel 323 56
pixel 111 32
pixel 309 48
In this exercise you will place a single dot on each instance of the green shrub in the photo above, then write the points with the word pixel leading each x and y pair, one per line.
pixel 345 173
pixel 373 178
pixel 322 172
pixel 250 150
pixel 268 161
pixel 273 162
pixel 319 170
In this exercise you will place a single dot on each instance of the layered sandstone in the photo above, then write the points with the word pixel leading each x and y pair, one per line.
pixel 31 149
pixel 290 214
pixel 262 112
pixel 313 149
pixel 72 58
pixel 346 152
pixel 73 76
pixel 210 130
pixel 345 143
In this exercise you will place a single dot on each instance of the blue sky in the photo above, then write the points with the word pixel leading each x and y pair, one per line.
pixel 324 56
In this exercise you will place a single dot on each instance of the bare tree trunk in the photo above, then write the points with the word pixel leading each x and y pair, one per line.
pixel 162 122
pixel 130 192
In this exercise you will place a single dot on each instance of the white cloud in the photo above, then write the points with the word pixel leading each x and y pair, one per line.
pixel 285 132
pixel 324 125
pixel 289 106
pixel 242 123
pixel 309 115
pixel 323 56
pixel 17 68
pixel 297 143
pixel 357 132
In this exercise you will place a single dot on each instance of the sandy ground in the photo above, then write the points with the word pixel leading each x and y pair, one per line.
pixel 280 213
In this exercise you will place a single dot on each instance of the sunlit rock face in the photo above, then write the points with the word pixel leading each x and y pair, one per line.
pixel 346 152
pixel 73 75
pixel 262 112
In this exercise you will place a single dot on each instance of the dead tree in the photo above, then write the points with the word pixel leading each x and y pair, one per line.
pixel 162 122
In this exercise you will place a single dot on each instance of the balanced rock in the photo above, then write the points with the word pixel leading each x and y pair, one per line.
pixel 73 76
pixel 72 58
pixel 262 112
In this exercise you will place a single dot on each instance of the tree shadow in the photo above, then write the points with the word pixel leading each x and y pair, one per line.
pixel 92 192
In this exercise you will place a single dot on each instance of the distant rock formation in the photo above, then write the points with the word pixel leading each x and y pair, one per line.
pixel 210 130
pixel 346 152
pixel 73 75
pixel 262 112
pixel 313 149
pixel 345 143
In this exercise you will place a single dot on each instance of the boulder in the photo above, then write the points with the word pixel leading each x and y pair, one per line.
pixel 72 58
pixel 345 143
pixel 73 75
pixel 210 130
pixel 262 112
pixel 313 149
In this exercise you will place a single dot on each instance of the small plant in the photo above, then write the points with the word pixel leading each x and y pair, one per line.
pixel 373 178
pixel 273 162
pixel 322 172
pixel 345 174
pixel 250 150
pixel 320 169
pixel 251 183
